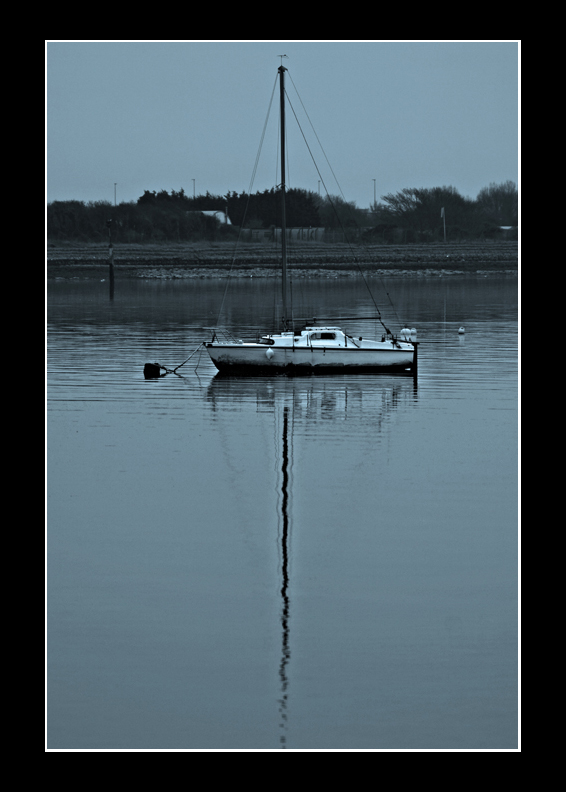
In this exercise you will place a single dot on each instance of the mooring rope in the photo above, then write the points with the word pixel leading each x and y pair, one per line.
pixel 200 346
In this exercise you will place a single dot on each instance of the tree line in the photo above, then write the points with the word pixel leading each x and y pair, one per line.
pixel 410 215
pixel 422 215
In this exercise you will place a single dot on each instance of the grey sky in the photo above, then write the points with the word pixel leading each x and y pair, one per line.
pixel 156 115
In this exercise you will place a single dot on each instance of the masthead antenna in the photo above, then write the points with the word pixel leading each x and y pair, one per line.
pixel 282 56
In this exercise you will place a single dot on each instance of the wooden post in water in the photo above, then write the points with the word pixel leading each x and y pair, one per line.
pixel 110 259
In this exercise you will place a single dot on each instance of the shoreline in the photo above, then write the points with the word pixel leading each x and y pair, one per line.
pixel 216 260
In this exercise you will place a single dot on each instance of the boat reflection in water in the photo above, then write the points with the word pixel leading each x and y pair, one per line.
pixel 298 407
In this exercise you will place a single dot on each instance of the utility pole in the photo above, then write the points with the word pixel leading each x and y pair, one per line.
pixel 115 183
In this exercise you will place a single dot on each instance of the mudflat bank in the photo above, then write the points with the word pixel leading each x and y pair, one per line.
pixel 309 259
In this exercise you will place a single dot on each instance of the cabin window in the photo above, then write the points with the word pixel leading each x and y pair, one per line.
pixel 323 336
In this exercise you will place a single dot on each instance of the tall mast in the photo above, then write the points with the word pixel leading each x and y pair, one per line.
pixel 282 71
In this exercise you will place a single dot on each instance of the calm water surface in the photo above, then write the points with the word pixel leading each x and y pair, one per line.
pixel 281 563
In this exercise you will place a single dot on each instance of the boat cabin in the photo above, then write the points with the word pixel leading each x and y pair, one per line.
pixel 321 336
pixel 312 337
pixel 328 338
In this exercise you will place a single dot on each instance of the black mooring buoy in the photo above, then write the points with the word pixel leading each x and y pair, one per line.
pixel 152 371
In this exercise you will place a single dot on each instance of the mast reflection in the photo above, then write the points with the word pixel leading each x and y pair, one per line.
pixel 284 535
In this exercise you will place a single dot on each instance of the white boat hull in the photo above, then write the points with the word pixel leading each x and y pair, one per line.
pixel 256 358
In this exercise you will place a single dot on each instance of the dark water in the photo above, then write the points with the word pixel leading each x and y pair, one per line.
pixel 310 563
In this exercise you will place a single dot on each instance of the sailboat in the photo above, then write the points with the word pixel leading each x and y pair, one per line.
pixel 314 348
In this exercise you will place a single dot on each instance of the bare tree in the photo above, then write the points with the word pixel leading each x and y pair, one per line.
pixel 498 203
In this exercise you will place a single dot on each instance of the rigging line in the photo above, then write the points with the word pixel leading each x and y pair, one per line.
pixel 332 203
pixel 336 180
pixel 316 136
pixel 247 202
pixel 262 136
pixel 339 220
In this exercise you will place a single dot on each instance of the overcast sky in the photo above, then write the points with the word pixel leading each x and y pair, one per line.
pixel 156 115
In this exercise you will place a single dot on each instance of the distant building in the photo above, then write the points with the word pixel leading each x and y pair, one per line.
pixel 221 217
